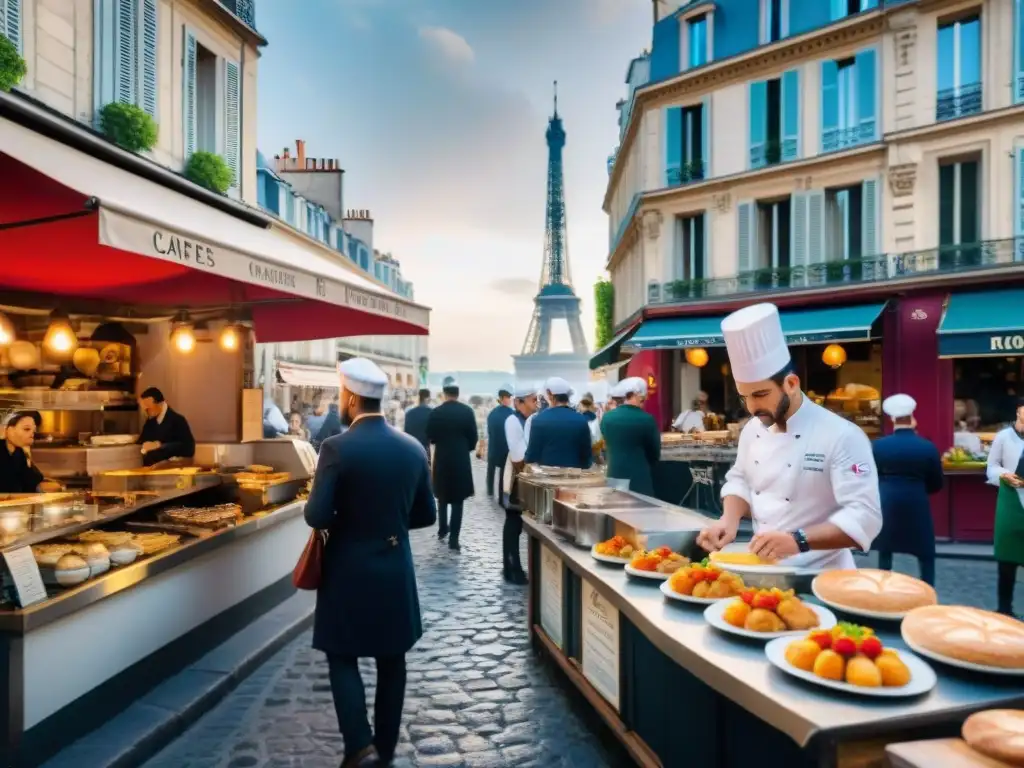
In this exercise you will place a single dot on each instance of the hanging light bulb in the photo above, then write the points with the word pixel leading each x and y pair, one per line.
pixel 697 357
pixel 7 334
pixel 60 341
pixel 834 356
pixel 230 338
pixel 183 336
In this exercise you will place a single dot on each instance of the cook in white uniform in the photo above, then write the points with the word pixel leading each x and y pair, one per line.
pixel 805 476
pixel 517 435
pixel 1007 448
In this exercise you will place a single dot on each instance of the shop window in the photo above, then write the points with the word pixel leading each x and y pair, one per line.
pixel 985 392
pixel 959 68
pixel 959 213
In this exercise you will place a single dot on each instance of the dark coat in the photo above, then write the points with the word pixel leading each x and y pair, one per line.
pixel 416 424
pixel 633 443
pixel 17 473
pixel 497 445
pixel 174 436
pixel 372 486
pixel 909 469
pixel 452 432
pixel 560 437
pixel 332 426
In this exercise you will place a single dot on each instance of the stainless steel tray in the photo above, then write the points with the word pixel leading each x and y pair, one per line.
pixel 672 527
pixel 256 496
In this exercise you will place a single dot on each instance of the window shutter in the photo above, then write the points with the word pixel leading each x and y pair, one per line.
pixel 790 115
pixel 665 53
pixel 189 95
pixel 148 46
pixel 126 55
pixel 673 145
pixel 705 138
pixel 816 250
pixel 798 238
pixel 758 115
pixel 829 106
pixel 867 95
pixel 784 21
pixel 10 22
pixel 1018 204
pixel 870 216
pixel 746 237
pixel 1017 85
pixel 232 119
pixel 707 255
pixel 838 9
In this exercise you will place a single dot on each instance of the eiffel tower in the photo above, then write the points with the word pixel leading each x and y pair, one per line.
pixel 555 298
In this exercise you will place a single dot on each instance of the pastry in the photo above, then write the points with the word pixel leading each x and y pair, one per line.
pixel 97 557
pixel 966 634
pixel 71 570
pixel 735 558
pixel 997 733
pixel 123 554
pixel 47 555
pixel 868 589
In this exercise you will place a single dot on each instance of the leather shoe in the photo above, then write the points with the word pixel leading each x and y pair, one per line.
pixel 364 758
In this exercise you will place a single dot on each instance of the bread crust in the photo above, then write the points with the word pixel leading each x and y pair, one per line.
pixel 967 634
pixel 997 733
pixel 870 589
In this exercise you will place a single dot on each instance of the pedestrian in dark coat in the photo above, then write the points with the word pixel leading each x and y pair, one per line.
pixel 559 436
pixel 332 426
pixel 372 486
pixel 909 470
pixel 416 420
pixel 452 433
pixel 497 445
pixel 632 441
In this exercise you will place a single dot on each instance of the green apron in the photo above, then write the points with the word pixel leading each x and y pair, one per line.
pixel 1009 529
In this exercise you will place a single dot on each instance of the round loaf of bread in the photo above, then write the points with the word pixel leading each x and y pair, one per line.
pixel 966 634
pixel 997 733
pixel 868 589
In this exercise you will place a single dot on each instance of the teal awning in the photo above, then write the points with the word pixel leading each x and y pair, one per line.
pixel 983 324
pixel 609 353
pixel 802 326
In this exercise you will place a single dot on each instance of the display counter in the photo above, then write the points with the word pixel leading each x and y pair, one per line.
pixel 965 508
pixel 677 692
pixel 692 475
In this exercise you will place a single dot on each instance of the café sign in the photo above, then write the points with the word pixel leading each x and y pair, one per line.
pixel 1013 343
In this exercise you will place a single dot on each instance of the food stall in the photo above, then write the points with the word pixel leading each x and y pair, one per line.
pixel 692 468
pixel 681 682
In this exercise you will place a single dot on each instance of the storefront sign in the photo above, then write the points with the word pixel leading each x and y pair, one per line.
pixel 551 602
pixel 184 250
pixel 600 633
pixel 1006 343
pixel 28 582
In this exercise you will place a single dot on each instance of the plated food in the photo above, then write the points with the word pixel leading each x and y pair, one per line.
pixel 770 610
pixel 616 546
pixel 660 562
pixel 873 593
pixel 736 558
pixel 966 637
pixel 704 582
pixel 742 562
pixel 997 733
pixel 849 653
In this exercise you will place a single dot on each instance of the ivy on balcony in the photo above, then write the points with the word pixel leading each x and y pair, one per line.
pixel 689 171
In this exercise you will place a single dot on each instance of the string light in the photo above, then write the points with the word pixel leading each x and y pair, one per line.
pixel 7 334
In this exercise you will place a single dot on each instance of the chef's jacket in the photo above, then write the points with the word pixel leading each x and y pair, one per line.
pixel 821 469
pixel 689 421
pixel 1005 455
pixel 517 435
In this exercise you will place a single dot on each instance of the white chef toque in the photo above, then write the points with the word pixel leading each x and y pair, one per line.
pixel 635 385
pixel 755 343
pixel 362 377
pixel 522 391
pixel 505 389
pixel 899 406
pixel 558 386
pixel 618 390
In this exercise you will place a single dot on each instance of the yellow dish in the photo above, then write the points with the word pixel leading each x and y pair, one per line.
pixel 736 558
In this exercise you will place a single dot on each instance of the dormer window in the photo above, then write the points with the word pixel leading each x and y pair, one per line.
pixel 843 8
pixel 696 34
pixel 774 20
pixel 697 41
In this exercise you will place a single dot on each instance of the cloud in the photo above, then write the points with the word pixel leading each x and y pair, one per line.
pixel 450 44
pixel 514 286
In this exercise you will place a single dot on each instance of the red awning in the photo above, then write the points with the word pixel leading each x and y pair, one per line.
pixel 143 244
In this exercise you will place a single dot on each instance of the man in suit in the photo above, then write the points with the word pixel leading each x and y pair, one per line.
pixel 909 470
pixel 452 432
pixel 166 433
pixel 497 446
pixel 416 419
pixel 632 440
pixel 372 486
pixel 559 436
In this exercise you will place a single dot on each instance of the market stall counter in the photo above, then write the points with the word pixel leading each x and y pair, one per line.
pixel 678 692
pixel 691 472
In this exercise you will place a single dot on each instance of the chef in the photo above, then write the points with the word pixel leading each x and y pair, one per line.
pixel 166 433
pixel 560 436
pixel 517 435
pixel 805 476
pixel 17 472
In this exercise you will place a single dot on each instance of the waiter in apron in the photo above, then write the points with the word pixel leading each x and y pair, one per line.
pixel 805 476
pixel 517 435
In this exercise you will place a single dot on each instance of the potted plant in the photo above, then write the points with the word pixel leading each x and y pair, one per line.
pixel 209 170
pixel 128 126
pixel 12 66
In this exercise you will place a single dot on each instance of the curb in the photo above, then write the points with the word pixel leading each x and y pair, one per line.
pixel 154 721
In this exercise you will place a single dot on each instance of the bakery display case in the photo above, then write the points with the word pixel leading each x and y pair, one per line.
pixel 857 403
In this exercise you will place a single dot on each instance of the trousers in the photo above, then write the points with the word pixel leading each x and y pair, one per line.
pixel 350 703
pixel 510 539
pixel 453 527
pixel 926 564
pixel 495 470
pixel 1005 587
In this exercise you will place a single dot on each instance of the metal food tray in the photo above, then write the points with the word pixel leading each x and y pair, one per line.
pixel 538 497
pixel 672 527
pixel 153 481
pixel 254 496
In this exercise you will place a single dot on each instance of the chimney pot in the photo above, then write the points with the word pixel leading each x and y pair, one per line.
pixel 300 152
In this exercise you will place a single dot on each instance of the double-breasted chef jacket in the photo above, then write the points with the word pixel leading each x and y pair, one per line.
pixel 821 469
pixel 517 436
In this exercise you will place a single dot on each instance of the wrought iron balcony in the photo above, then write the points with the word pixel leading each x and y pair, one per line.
pixel 769 153
pixel 945 260
pixel 689 171
pixel 834 139
pixel 243 9
pixel 952 103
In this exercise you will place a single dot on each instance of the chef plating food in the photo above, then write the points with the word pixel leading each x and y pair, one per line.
pixel 804 475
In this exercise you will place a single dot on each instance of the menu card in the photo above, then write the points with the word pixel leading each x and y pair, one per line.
pixel 28 582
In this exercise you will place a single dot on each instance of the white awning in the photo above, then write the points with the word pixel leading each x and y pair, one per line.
pixel 315 376
pixel 143 217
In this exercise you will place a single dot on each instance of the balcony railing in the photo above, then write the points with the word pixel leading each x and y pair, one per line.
pixel 769 153
pixel 952 103
pixel 835 139
pixel 946 260
pixel 243 9
pixel 686 173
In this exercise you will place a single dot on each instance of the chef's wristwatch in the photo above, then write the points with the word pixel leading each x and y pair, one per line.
pixel 801 540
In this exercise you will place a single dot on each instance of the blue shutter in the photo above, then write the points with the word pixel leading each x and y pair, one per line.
pixel 746 237
pixel 816 250
pixel 707 255
pixel 829 106
pixel 784 21
pixel 867 96
pixel 104 66
pixel 838 9
pixel 1017 84
pixel 673 145
pixel 1018 204
pixel 665 49
pixel 148 71
pixel 126 56
pixel 790 115
pixel 10 22
pixel 799 257
pixel 757 113
pixel 870 217
pixel 705 137
pixel 233 120
pixel 189 95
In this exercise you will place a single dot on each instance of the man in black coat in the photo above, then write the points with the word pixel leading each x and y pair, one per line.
pixel 416 419
pixel 497 446
pixel 452 432
pixel 559 436
pixel 166 433
pixel 372 486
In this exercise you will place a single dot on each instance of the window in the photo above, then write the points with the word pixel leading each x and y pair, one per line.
pixel 697 41
pixel 959 213
pixel 212 105
pixel 243 9
pixel 775 120
pixel 207 102
pixel 849 95
pixel 774 20
pixel 851 231
pixel 773 235
pixel 690 256
pixel 959 69
pixel 125 50
pixel 10 21
pixel 686 144
pixel 843 8
pixel 1018 51
pixel 289 209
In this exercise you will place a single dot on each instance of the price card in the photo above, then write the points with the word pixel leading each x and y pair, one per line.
pixel 28 582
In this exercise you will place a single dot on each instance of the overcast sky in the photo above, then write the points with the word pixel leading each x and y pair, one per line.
pixel 437 110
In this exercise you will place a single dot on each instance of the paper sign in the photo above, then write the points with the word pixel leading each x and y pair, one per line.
pixel 28 582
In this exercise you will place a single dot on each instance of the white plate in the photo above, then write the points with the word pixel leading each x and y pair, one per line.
pixel 883 615
pixel 653 575
pixel 962 664
pixel 671 594
pixel 713 616
pixel 607 558
pixel 922 677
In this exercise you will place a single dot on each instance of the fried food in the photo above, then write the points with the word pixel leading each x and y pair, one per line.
pixel 802 654
pixel 616 546
pixel 860 670
pixel 763 620
pixel 651 560
pixel 892 669
pixel 849 653
pixel 736 613
pixel 829 665
pixel 797 614
pixel 703 580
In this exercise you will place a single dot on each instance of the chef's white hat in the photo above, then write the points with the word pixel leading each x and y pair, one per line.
pixel 899 406
pixel 618 389
pixel 524 390
pixel 362 377
pixel 558 386
pixel 755 343
pixel 635 385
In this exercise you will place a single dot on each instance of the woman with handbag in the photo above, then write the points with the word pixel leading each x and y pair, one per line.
pixel 372 486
